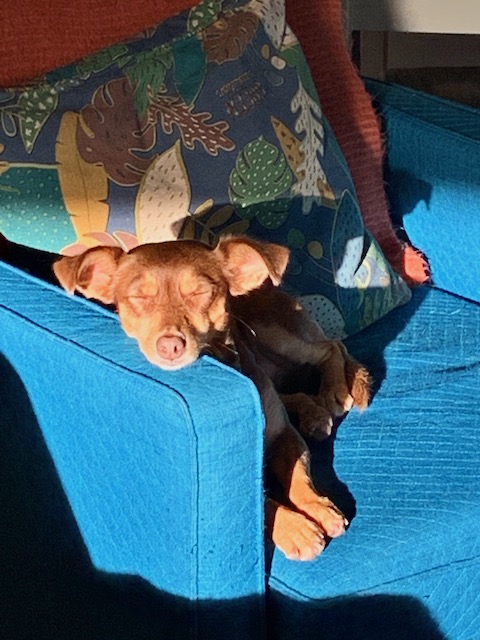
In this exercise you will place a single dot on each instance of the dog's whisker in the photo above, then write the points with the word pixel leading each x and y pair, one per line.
pixel 252 331
pixel 212 349
pixel 230 348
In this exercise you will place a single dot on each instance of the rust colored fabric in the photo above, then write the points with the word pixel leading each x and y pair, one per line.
pixel 36 37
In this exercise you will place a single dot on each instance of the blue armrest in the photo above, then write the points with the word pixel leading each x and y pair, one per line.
pixel 163 471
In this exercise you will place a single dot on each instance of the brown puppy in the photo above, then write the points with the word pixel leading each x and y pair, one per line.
pixel 175 299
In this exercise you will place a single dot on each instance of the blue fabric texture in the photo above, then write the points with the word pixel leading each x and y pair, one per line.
pixel 169 471
pixel 408 469
pixel 433 178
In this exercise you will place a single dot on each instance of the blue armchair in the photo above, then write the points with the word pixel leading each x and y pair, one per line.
pixel 133 497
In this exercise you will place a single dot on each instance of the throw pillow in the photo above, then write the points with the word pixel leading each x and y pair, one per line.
pixel 208 124
pixel 83 26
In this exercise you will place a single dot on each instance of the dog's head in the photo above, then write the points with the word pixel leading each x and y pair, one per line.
pixel 172 297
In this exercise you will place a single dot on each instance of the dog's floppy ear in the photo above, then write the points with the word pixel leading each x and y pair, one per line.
pixel 91 273
pixel 247 263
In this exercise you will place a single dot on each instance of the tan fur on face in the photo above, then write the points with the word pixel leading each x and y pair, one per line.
pixel 180 293
pixel 173 288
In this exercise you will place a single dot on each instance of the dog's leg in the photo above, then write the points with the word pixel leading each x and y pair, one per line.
pixel 298 533
pixel 289 461
pixel 344 382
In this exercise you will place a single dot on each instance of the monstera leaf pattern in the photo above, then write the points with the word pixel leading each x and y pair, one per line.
pixel 261 174
pixel 205 125
pixel 111 133
pixel 227 38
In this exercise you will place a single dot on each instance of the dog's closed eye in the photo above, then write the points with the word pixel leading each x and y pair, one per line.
pixel 197 291
pixel 141 294
pixel 140 304
pixel 200 298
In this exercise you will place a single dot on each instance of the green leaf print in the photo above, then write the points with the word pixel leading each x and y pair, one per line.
pixel 261 173
pixel 34 106
pixel 190 68
pixel 260 176
pixel 101 60
pixel 32 211
pixel 203 15
pixel 147 75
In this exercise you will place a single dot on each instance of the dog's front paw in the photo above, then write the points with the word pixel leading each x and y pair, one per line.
pixel 315 422
pixel 296 536
pixel 322 511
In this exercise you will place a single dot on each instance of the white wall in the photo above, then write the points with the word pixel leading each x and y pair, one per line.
pixel 400 34
pixel 430 16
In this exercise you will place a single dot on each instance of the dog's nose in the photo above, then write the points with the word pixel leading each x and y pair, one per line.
pixel 170 347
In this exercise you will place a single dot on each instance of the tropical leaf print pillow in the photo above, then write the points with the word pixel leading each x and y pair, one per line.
pixel 208 124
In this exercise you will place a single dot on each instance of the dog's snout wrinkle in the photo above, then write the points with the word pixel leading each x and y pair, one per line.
pixel 171 346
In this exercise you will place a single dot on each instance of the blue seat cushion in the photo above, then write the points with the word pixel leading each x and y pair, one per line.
pixel 407 476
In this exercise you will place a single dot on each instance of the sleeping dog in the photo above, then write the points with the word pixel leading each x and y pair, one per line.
pixel 181 298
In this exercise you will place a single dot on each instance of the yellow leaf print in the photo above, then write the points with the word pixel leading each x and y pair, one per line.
pixel 84 186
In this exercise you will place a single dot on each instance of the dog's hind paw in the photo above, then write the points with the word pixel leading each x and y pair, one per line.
pixel 322 511
pixel 296 536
